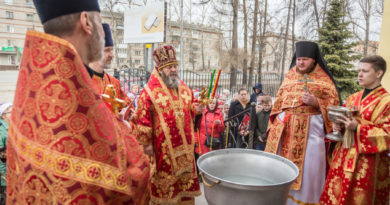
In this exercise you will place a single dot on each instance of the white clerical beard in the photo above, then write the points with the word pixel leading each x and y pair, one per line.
pixel 171 82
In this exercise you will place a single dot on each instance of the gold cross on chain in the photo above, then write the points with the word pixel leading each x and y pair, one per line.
pixel 305 80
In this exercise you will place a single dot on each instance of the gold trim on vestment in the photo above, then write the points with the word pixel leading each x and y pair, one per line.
pixel 69 166
pixel 185 149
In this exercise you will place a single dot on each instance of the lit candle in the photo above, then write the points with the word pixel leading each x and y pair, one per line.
pixel 215 84
pixel 211 83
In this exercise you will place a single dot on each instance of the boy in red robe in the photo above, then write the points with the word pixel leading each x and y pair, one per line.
pixel 360 174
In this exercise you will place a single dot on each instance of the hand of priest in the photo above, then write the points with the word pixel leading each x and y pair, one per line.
pixel 148 150
pixel 350 124
pixel 121 114
pixel 309 99
pixel 336 127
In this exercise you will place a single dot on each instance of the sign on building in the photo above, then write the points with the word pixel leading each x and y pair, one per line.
pixel 145 24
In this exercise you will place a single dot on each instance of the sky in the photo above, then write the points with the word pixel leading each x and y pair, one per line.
pixel 276 7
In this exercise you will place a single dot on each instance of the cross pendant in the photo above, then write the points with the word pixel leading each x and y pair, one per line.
pixel 305 80
pixel 294 101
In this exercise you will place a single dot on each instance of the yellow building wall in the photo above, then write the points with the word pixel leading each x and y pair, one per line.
pixel 384 44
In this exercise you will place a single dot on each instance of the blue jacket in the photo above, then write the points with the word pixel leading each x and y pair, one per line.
pixel 254 94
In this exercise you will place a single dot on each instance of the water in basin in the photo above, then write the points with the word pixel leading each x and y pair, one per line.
pixel 248 180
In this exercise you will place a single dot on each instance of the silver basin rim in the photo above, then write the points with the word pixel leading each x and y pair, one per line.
pixel 238 150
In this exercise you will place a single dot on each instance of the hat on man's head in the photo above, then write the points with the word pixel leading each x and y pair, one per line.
pixel 307 49
pixel 164 56
pixel 4 107
pixel 311 50
pixel 49 9
pixel 108 37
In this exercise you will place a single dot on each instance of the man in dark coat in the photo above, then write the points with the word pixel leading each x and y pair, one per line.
pixel 257 90
pixel 237 107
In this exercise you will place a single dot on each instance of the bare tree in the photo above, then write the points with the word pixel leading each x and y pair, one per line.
pixel 367 11
pixel 233 69
pixel 254 38
pixel 285 43
pixel 305 10
pixel 366 8
pixel 315 13
pixel 263 26
pixel 245 60
pixel 293 26
pixel 203 18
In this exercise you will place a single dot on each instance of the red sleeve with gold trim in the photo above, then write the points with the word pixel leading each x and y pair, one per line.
pixel 143 119
pixel 373 131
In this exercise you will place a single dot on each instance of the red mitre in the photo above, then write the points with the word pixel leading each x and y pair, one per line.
pixel 164 56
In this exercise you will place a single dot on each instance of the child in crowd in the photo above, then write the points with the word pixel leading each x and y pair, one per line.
pixel 262 118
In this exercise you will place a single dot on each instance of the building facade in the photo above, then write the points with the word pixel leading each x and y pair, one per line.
pixel 16 17
pixel 202 45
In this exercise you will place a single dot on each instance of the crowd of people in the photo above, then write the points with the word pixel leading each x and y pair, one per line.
pixel 73 136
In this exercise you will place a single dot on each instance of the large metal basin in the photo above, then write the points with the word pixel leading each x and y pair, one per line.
pixel 244 177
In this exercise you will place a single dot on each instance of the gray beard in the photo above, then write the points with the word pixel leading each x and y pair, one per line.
pixel 171 82
pixel 106 66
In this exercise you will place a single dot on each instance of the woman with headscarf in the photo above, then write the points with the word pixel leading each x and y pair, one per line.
pixel 211 125
pixel 5 117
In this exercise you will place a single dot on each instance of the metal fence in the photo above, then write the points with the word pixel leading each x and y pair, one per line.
pixel 196 80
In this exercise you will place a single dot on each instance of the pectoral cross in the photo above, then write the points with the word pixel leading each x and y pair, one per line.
pixel 110 98
pixel 305 80
pixel 294 101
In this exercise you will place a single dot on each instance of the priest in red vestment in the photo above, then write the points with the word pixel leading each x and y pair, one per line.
pixel 96 69
pixel 164 122
pixel 65 146
pixel 298 121
pixel 360 174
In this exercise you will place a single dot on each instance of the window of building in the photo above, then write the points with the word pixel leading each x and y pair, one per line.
pixel 10 42
pixel 9 14
pixel 30 28
pixel 137 53
pixel 10 29
pixel 8 1
pixel 29 3
pixel 30 17
pixel 137 62
pixel 11 60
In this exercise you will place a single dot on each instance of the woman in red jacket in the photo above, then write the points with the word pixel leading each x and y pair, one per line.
pixel 211 125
